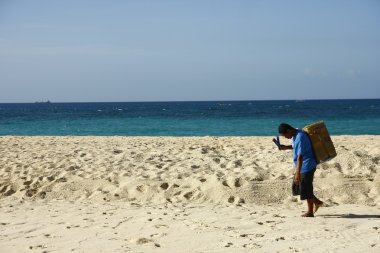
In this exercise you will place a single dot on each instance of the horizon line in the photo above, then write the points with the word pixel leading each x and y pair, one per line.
pixel 177 101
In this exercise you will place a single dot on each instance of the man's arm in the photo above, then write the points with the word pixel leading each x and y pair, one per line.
pixel 286 147
pixel 297 177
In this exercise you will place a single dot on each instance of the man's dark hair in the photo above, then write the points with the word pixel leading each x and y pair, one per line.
pixel 283 128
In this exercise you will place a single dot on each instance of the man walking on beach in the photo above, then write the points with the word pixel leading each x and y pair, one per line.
pixel 304 163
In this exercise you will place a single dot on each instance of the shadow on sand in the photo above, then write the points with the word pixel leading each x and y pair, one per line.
pixel 351 216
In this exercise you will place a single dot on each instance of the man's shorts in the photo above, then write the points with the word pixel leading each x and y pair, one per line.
pixel 306 185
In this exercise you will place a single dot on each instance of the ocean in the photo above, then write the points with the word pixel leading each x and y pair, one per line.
pixel 208 118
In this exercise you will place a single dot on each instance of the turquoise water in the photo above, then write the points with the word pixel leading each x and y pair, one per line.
pixel 218 118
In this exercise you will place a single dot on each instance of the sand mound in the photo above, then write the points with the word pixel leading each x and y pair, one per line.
pixel 230 170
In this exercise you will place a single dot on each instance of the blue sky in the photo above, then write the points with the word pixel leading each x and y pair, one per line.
pixel 188 50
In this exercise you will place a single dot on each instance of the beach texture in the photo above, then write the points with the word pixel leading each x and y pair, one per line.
pixel 183 194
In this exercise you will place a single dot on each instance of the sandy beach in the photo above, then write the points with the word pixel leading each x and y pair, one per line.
pixel 182 194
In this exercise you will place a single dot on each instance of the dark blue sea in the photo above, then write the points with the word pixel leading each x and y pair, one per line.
pixel 214 118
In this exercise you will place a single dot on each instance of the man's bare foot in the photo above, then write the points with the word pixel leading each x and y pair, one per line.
pixel 307 215
pixel 317 206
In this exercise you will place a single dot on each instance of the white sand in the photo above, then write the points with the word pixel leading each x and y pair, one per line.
pixel 166 194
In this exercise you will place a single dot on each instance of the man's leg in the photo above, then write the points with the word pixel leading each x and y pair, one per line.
pixel 309 212
pixel 310 205
pixel 317 204
pixel 306 186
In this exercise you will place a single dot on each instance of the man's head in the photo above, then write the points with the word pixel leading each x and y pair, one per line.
pixel 286 130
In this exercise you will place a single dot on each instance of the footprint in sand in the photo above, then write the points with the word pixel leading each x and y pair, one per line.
pixel 164 186
pixel 188 195
pixel 238 182
pixel 38 247
pixel 252 245
pixel 229 244
pixel 140 188
pixel 225 183
pixel 61 180
pixel 238 163
pixel 161 226
pixel 42 195
pixel 117 151
pixel 159 235
pixel 140 241
pixel 30 193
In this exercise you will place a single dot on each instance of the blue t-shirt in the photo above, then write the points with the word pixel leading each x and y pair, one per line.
pixel 302 146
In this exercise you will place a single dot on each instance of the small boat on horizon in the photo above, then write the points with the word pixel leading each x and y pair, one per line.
pixel 43 102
